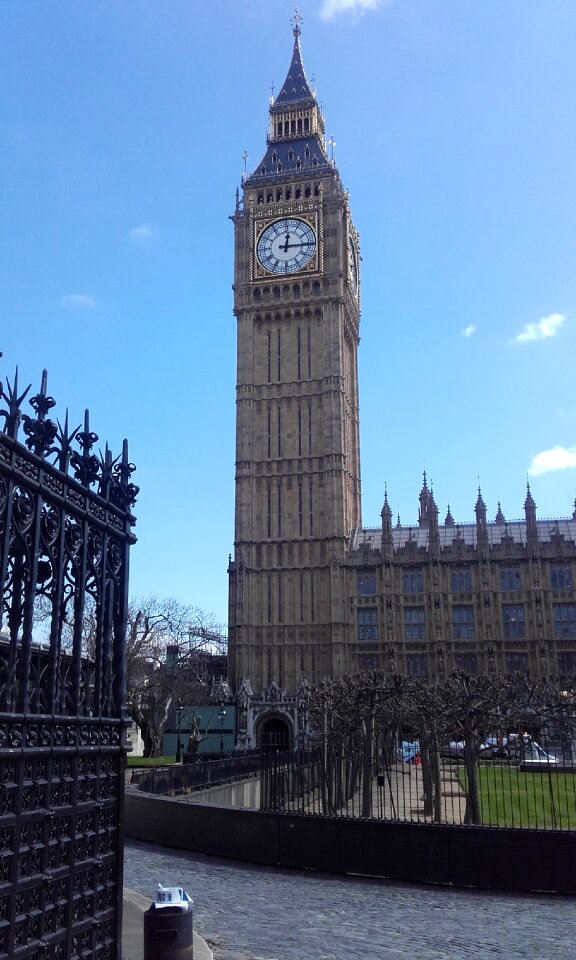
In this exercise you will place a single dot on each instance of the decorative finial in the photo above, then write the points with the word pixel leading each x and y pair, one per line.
pixel 332 143
pixel 296 21
pixel 244 159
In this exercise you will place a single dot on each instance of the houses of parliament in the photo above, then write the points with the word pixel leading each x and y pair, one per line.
pixel 312 593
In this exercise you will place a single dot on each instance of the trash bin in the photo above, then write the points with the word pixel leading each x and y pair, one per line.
pixel 168 933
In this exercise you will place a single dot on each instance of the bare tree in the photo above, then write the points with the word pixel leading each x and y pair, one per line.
pixel 169 651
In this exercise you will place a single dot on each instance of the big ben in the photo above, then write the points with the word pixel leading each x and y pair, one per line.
pixel 297 496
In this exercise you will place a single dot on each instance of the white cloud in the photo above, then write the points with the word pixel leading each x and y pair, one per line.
pixel 469 330
pixel 558 458
pixel 141 234
pixel 332 8
pixel 81 300
pixel 546 327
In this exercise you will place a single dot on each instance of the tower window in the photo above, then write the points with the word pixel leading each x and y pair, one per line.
pixel 414 623
pixel 366 583
pixel 278 196
pixel 306 124
pixel 463 623
pixel 307 152
pixel 300 126
pixel 513 621
pixel 307 192
pixel 262 170
pixel 564 619
pixel 269 197
pixel 510 578
pixel 288 193
pixel 290 155
pixel 298 191
pixel 367 618
pixel 561 578
pixel 260 198
pixel 274 158
pixel 316 188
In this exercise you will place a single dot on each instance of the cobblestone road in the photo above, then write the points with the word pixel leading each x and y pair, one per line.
pixel 257 913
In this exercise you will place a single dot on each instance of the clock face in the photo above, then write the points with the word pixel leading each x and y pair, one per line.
pixel 286 246
pixel 352 266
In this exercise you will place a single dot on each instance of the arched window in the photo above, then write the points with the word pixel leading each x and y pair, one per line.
pixel 288 193
pixel 307 192
pixel 278 196
pixel 298 191
pixel 300 126
pixel 306 124
pixel 269 197
pixel 260 198
pixel 290 154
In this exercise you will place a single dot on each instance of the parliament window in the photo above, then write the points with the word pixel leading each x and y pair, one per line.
pixel 368 661
pixel 414 623
pixel 567 664
pixel 561 578
pixel 413 581
pixel 366 583
pixel 367 625
pixel 510 578
pixel 513 621
pixel 417 664
pixel 516 662
pixel 461 581
pixel 466 663
pixel 463 623
pixel 564 619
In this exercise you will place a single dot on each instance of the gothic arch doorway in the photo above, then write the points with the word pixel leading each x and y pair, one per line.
pixel 274 732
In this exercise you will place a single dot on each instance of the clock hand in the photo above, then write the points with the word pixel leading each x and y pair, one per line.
pixel 285 247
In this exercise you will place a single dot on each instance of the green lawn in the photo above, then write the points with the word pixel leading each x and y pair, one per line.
pixel 539 799
pixel 149 761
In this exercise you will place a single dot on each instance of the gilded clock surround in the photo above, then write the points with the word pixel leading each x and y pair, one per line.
pixel 290 213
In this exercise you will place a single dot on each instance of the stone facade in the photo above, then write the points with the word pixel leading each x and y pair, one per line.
pixel 311 592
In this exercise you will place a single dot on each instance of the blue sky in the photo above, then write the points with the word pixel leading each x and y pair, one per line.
pixel 122 126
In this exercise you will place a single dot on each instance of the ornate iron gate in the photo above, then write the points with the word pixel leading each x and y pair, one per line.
pixel 65 533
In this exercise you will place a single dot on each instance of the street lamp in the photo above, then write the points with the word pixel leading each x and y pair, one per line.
pixel 178 744
pixel 222 717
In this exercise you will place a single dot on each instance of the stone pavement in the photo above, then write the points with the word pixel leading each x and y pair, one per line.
pixel 248 912
pixel 133 929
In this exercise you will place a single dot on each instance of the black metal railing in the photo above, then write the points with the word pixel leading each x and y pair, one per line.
pixel 201 774
pixel 65 534
pixel 523 789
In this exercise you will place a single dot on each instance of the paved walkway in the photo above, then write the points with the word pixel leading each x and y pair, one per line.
pixel 247 912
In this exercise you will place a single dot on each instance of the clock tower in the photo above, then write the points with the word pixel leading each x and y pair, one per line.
pixel 296 301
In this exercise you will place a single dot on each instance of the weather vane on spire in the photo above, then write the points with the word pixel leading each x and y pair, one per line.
pixel 296 21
